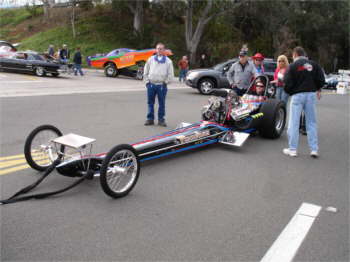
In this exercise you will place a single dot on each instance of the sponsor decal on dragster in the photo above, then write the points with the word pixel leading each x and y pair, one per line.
pixel 257 115
pixel 191 137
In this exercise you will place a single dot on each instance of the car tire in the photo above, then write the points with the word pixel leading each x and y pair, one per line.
pixel 206 86
pixel 111 70
pixel 139 73
pixel 274 118
pixel 39 71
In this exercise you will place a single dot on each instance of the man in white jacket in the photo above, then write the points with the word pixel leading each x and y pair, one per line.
pixel 158 72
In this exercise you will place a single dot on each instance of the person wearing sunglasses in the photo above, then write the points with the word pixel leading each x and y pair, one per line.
pixel 255 96
pixel 282 65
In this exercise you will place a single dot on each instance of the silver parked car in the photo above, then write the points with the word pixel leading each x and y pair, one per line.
pixel 207 79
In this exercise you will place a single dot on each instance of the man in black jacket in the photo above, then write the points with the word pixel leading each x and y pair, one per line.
pixel 77 62
pixel 303 82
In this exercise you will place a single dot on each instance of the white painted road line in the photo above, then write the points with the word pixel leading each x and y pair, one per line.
pixel 21 82
pixel 287 244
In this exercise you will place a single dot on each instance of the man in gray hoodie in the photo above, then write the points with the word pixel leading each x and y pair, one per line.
pixel 241 74
pixel 158 72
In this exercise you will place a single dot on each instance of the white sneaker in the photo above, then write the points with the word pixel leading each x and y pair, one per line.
pixel 314 154
pixel 289 152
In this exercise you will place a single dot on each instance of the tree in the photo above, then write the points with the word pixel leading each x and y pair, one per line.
pixel 136 8
pixel 72 16
pixel 47 5
pixel 206 11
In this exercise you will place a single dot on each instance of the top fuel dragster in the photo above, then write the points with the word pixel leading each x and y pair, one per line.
pixel 226 119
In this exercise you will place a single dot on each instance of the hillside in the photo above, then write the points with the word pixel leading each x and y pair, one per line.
pixel 97 31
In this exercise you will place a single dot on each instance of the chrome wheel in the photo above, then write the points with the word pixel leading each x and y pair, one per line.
pixel 206 86
pixel 39 150
pixel 39 71
pixel 120 170
pixel 111 70
pixel 280 119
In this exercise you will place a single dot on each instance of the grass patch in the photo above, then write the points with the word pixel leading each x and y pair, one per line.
pixel 89 41
pixel 15 16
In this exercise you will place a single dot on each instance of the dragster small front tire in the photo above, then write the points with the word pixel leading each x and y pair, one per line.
pixel 120 171
pixel 39 149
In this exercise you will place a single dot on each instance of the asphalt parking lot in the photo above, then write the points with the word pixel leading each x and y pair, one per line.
pixel 94 81
pixel 213 204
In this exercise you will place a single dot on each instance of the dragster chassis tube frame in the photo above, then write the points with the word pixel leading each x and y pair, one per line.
pixel 165 144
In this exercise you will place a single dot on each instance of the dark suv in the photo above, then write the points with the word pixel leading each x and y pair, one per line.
pixel 216 77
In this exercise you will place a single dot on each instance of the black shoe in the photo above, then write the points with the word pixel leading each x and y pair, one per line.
pixel 162 123
pixel 149 122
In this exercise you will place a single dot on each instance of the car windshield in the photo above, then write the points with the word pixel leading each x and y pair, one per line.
pixel 224 66
pixel 35 57
pixel 119 51
pixel 218 67
pixel 270 66
pixel 113 53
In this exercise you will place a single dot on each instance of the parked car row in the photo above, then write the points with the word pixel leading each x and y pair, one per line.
pixel 332 80
pixel 120 61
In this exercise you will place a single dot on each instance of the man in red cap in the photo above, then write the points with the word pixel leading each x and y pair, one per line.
pixel 258 63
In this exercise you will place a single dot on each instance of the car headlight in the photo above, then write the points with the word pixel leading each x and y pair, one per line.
pixel 192 75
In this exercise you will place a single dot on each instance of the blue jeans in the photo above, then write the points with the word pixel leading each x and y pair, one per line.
pixel 303 102
pixel 282 95
pixel 152 91
pixel 77 68
pixel 182 74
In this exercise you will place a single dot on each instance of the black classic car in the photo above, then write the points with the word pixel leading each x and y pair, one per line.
pixel 30 62
pixel 207 79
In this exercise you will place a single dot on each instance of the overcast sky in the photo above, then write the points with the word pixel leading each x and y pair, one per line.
pixel 13 3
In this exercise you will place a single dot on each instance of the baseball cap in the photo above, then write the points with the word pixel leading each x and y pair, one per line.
pixel 258 56
pixel 243 53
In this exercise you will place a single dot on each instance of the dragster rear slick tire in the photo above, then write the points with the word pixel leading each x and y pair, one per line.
pixel 36 143
pixel 120 171
pixel 274 118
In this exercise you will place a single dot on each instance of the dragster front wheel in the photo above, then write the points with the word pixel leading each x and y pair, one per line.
pixel 39 150
pixel 119 171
